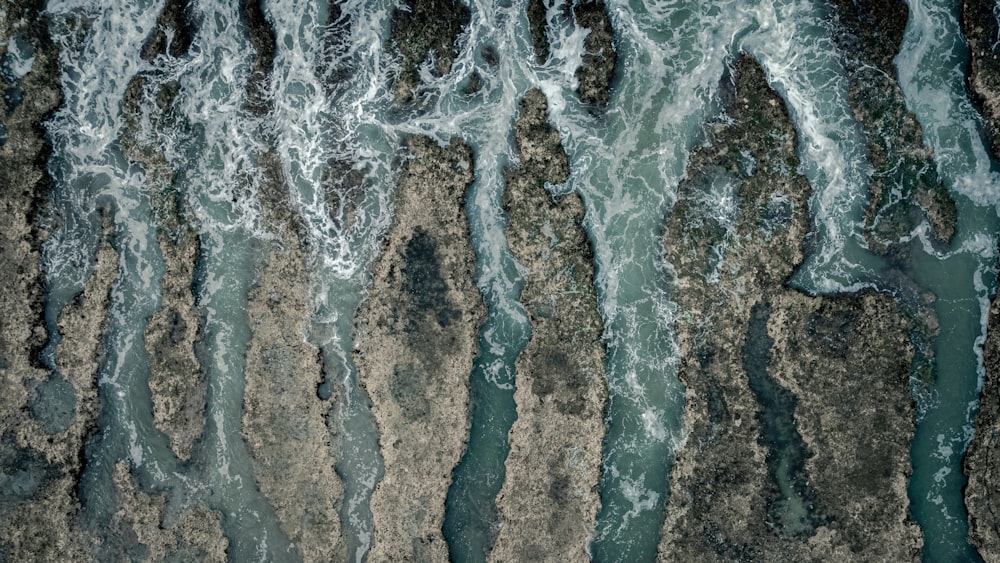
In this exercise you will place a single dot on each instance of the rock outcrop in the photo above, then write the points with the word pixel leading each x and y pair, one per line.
pixel 904 187
pixel 600 57
pixel 980 26
pixel 425 32
pixel 415 340
pixel 982 459
pixel 798 408
pixel 284 421
pixel 38 502
pixel 549 499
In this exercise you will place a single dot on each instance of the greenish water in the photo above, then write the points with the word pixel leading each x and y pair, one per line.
pixel 330 105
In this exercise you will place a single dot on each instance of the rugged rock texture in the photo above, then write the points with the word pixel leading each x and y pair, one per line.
pixel 599 59
pixel 798 408
pixel 905 186
pixel 176 380
pixel 980 27
pixel 549 499
pixel 982 459
pixel 45 526
pixel 425 32
pixel 415 340
pixel 537 26
pixel 38 492
pixel 196 536
pixel 284 421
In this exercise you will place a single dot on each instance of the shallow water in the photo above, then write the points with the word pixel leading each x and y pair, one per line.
pixel 331 110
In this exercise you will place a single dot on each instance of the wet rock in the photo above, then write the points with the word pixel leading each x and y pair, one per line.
pixel 415 340
pixel 284 423
pixel 139 530
pixel 981 27
pixel 982 459
pixel 798 408
pixel 599 58
pixel 262 38
pixel 904 188
pixel 38 519
pixel 538 26
pixel 561 390
pixel 425 33
pixel 174 31
pixel 176 381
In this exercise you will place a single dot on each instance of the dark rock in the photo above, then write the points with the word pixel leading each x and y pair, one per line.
pixel 423 31
pixel 870 34
pixel 788 397
pixel 598 68
pixel 561 390
pixel 416 336
pixel 982 459
pixel 981 28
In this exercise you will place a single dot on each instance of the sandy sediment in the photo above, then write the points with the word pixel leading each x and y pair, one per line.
pixel 415 340
pixel 790 454
pixel 549 499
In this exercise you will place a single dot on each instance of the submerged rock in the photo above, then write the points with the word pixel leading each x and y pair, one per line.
pixel 549 498
pixel 798 408
pixel 415 340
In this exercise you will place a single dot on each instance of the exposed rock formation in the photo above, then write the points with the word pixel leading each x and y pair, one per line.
pixel 798 408
pixel 904 186
pixel 425 32
pixel 197 536
pixel 982 460
pixel 415 340
pixel 981 27
pixel 549 498
pixel 284 422
pixel 599 59
pixel 38 493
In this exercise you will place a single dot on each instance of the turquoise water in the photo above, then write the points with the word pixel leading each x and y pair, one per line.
pixel 331 108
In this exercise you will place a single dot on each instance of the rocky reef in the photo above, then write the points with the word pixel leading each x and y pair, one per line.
pixel 599 58
pixel 415 340
pixel 425 33
pixel 284 422
pixel 904 187
pixel 549 498
pixel 789 455
pixel 980 26
pixel 982 459
pixel 40 465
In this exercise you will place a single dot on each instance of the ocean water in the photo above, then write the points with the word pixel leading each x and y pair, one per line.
pixel 330 116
